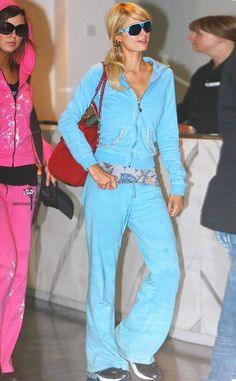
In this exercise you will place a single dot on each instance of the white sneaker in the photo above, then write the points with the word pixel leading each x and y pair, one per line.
pixel 147 371
pixel 109 374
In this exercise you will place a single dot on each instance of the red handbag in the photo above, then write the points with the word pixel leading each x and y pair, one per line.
pixel 61 164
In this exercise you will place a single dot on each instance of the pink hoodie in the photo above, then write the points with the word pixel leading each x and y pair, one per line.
pixel 16 144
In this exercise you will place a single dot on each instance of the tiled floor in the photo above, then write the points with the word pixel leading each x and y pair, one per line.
pixel 52 342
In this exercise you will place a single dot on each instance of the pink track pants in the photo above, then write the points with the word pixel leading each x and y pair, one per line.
pixel 16 210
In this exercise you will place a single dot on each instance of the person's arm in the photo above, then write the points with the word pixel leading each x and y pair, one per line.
pixel 183 113
pixel 74 138
pixel 68 122
pixel 227 96
pixel 47 151
pixel 184 107
pixel 182 110
pixel 168 143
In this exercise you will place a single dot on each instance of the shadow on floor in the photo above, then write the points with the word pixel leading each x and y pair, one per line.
pixel 51 347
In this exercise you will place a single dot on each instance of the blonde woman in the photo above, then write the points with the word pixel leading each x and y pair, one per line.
pixel 123 189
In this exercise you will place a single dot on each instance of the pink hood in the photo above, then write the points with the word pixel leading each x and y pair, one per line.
pixel 28 59
pixel 16 147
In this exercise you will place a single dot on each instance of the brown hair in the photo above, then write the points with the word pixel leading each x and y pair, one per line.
pixel 6 13
pixel 222 26
pixel 115 19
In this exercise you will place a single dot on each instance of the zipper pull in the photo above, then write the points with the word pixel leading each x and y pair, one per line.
pixel 139 106
pixel 30 193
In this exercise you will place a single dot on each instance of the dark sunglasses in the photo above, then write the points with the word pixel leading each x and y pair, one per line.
pixel 135 29
pixel 7 28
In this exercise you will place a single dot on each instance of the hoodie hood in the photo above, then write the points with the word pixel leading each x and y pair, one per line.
pixel 28 58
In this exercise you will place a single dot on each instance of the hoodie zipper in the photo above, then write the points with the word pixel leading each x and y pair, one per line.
pixel 138 100
pixel 14 135
pixel 139 104
pixel 14 149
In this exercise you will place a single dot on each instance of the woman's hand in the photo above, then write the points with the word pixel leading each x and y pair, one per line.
pixel 175 204
pixel 49 177
pixel 103 179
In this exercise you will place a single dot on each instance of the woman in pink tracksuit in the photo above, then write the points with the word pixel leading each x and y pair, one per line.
pixel 18 173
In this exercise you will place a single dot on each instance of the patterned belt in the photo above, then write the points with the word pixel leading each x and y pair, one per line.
pixel 128 175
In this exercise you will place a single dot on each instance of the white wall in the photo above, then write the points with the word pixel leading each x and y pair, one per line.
pixel 42 17
pixel 64 48
pixel 85 42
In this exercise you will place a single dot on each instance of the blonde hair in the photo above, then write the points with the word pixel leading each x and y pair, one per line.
pixel 221 26
pixel 115 19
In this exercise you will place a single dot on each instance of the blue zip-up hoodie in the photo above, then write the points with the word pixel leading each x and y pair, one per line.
pixel 130 128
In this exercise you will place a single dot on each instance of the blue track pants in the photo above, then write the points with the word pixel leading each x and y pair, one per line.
pixel 140 335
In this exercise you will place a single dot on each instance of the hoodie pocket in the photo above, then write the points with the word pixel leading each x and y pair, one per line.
pixel 150 142
pixel 111 141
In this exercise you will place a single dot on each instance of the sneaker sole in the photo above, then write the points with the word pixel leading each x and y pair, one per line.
pixel 126 378
pixel 92 378
pixel 140 375
pixel 97 377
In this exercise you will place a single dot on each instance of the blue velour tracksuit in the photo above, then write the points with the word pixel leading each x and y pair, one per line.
pixel 130 128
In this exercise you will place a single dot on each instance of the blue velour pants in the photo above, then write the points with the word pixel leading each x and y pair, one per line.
pixel 140 335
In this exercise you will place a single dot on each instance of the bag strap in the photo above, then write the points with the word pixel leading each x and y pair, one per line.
pixel 101 84
pixel 101 94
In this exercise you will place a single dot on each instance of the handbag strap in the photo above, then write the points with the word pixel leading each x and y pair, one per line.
pixel 101 94
pixel 101 84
